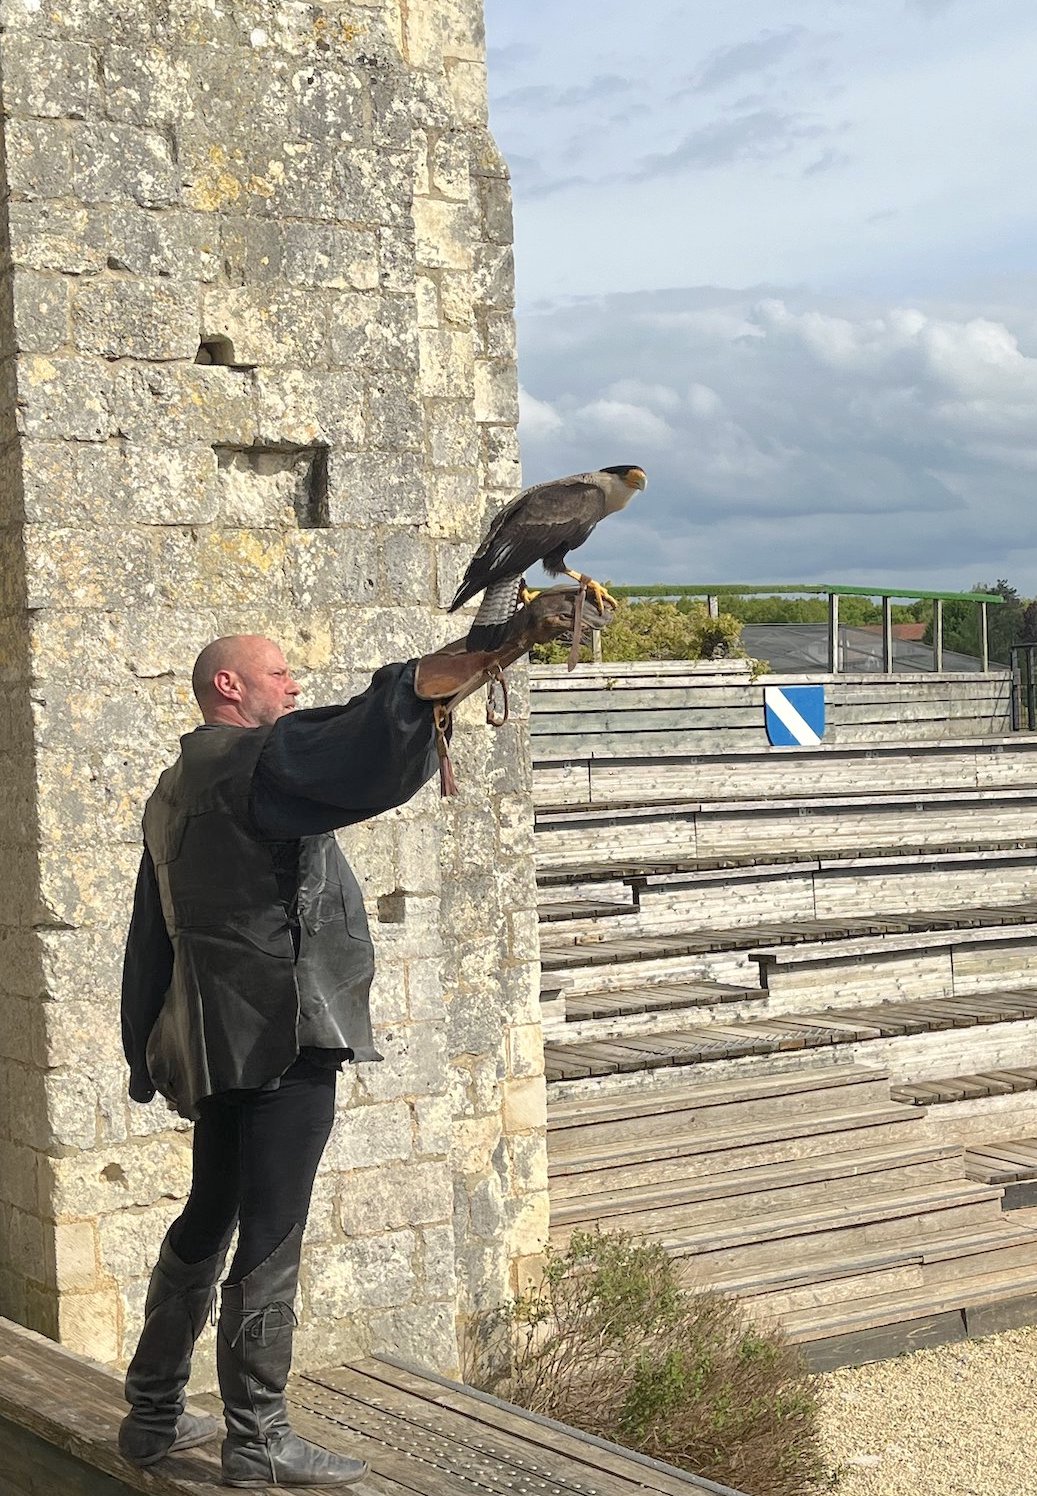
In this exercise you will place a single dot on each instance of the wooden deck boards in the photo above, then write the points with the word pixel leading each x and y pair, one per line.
pixel 423 1436
pixel 691 1045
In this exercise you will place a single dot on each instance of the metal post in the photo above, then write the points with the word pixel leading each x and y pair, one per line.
pixel 1031 691
pixel 713 606
pixel 887 635
pixel 937 633
pixel 984 638
pixel 833 633
pixel 596 646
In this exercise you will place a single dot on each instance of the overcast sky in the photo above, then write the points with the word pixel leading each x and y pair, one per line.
pixel 785 257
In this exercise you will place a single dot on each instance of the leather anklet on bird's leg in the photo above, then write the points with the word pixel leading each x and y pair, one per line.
pixel 441 721
pixel 496 716
pixel 577 644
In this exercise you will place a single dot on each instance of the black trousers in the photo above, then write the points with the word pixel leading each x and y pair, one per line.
pixel 255 1158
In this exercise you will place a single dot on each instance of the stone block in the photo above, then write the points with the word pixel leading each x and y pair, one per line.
pixel 72 1257
pixel 395 419
pixel 77 568
pixel 25 1244
pixel 167 404
pixel 365 1137
pixel 467 80
pixel 114 1177
pixel 41 315
pixel 64 398
pixel 496 391
pixel 300 407
pixel 388 997
pixel 39 161
pixel 525 1049
pixel 456 300
pixel 331 105
pixel 385 1199
pixel 370 187
pixel 475 1141
pixel 496 338
pixel 120 317
pixel 332 566
pixel 128 1241
pixel 88 1323
pixel 147 85
pixel 451 432
pixel 414 1064
pixel 375 488
pixel 373 333
pixel 19 1181
pixel 115 162
pixel 45 76
pixel 423 1333
pixel 175 243
pixel 437 1269
pixel 368 1273
pixel 443 234
pixel 54 236
pixel 495 210
pixel 433 1123
pixel 406 568
pixel 397 257
pixel 525 1104
pixel 251 249
pixel 269 325
pixel 446 367
pixel 501 464
pixel 449 173
pixel 328 255
pixel 493 276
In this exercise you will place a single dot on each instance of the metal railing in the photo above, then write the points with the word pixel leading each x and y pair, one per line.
pixel 715 593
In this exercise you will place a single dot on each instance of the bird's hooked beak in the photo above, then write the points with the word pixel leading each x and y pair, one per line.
pixel 636 478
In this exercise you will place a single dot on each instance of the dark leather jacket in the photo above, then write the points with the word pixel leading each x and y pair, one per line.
pixel 256 975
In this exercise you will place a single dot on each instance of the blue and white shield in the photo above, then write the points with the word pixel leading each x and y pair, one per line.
pixel 794 715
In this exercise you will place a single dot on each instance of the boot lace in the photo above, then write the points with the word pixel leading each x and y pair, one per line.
pixel 257 1323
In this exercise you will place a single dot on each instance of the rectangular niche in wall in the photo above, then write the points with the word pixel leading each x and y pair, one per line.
pixel 273 486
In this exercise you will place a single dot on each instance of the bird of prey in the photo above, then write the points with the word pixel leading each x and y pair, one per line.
pixel 543 524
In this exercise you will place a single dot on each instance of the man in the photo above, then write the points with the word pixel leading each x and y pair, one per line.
pixel 245 988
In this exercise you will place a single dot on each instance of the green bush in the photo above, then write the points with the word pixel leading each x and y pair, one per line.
pixel 658 631
pixel 611 1343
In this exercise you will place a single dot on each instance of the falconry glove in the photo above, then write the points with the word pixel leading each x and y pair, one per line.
pixel 454 672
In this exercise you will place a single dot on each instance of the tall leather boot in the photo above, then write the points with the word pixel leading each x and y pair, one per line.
pixel 253 1358
pixel 180 1296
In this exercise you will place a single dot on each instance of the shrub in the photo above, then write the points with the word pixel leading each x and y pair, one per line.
pixel 658 631
pixel 611 1343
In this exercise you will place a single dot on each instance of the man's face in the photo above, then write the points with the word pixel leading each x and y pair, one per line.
pixel 261 684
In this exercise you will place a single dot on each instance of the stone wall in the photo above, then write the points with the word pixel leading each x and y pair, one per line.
pixel 258 362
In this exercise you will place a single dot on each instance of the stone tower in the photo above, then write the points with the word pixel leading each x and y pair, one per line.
pixel 258 375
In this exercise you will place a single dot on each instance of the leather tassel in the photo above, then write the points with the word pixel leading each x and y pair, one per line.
pixel 447 781
pixel 577 644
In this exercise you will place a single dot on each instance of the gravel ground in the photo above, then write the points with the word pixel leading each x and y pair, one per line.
pixel 954 1421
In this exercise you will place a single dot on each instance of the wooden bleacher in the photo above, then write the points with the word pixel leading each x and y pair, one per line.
pixel 733 982
pixel 421 1434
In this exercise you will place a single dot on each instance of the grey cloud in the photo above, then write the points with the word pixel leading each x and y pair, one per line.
pixel 786 433
pixel 544 96
pixel 728 63
pixel 829 160
pixel 757 136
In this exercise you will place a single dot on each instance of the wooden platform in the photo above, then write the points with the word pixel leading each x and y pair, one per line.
pixel 422 1435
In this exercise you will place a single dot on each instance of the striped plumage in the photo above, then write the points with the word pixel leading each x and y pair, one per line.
pixel 542 525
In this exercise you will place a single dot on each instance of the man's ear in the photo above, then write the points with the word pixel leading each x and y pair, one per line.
pixel 227 684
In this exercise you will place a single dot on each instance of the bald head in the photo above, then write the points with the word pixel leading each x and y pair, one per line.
pixel 243 680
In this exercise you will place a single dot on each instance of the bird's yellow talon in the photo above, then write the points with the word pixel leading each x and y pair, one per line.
pixel 527 594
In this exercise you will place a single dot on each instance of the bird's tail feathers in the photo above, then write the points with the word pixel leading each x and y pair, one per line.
pixel 486 636
pixel 491 622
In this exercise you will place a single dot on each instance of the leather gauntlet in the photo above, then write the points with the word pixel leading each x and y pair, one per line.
pixel 453 673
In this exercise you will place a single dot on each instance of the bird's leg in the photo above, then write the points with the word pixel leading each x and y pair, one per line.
pixel 527 594
pixel 600 594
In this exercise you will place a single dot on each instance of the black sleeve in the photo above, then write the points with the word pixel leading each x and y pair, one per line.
pixel 146 973
pixel 331 766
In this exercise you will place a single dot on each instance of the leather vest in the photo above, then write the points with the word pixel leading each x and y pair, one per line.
pixel 242 1000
